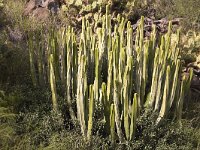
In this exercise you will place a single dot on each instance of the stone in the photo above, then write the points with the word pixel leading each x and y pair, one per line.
pixel 41 14
pixel 39 8
pixel 29 7
pixel 15 35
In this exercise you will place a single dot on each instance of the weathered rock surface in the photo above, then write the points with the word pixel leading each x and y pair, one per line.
pixel 15 35
pixel 41 13
pixel 41 9
pixel 29 7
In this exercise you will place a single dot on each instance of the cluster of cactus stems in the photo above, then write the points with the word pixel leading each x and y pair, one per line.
pixel 126 75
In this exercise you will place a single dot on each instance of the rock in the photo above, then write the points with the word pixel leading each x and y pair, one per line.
pixel 195 67
pixel 15 35
pixel 53 6
pixel 41 14
pixel 195 83
pixel 35 7
pixel 29 7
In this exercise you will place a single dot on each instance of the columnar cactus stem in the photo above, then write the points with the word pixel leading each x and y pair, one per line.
pixel 117 90
pixel 175 83
pixel 81 95
pixel 117 112
pixel 91 111
pixel 130 66
pixel 121 32
pixel 54 51
pixel 91 60
pixel 39 59
pixel 108 19
pixel 74 65
pixel 180 101
pixel 97 76
pixel 112 123
pixel 161 69
pixel 127 95
pixel 108 31
pixel 106 105
pixel 63 49
pixel 83 37
pixel 126 102
pixel 141 27
pixel 69 67
pixel 165 100
pixel 129 39
pixel 110 76
pixel 122 64
pixel 53 83
pixel 134 112
pixel 154 80
pixel 139 42
pixel 152 52
pixel 185 85
pixel 144 73
pixel 31 59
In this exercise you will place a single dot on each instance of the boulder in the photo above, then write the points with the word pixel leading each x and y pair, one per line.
pixel 41 14
pixel 14 35
pixel 29 7
pixel 41 8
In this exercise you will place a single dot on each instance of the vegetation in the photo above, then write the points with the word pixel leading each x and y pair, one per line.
pixel 94 82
